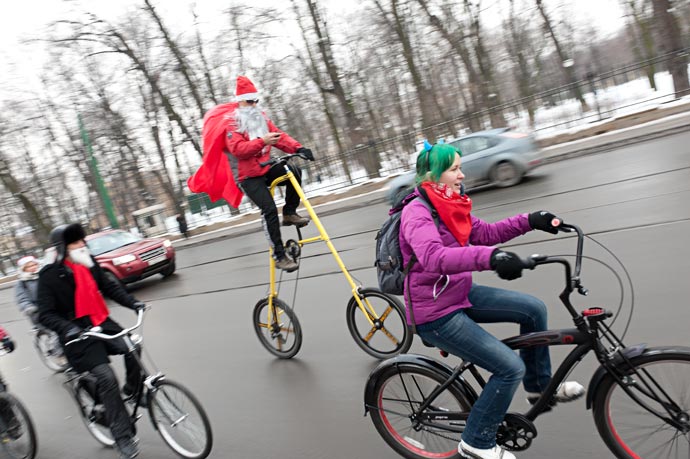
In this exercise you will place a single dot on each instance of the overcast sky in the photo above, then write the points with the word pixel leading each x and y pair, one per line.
pixel 28 18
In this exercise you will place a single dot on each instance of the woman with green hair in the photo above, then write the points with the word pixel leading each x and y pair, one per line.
pixel 448 306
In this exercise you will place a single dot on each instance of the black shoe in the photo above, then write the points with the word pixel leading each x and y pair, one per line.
pixel 294 219
pixel 129 396
pixel 127 447
pixel 286 264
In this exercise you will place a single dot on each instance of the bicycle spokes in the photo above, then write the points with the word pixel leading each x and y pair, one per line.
pixel 650 413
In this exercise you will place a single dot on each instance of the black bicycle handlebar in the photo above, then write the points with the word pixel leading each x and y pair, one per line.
pixel 282 159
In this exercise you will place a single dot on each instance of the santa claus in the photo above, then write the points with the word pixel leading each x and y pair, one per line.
pixel 237 137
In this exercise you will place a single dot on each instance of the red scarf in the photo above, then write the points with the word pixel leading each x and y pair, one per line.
pixel 453 209
pixel 88 301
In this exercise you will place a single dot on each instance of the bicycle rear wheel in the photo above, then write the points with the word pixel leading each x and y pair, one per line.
pixel 50 351
pixel 389 335
pixel 660 381
pixel 279 332
pixel 17 433
pixel 180 420
pixel 93 413
pixel 399 392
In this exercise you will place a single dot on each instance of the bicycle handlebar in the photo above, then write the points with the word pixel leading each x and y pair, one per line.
pixel 95 332
pixel 282 159
pixel 535 260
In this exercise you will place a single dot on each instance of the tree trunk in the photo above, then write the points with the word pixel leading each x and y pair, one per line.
pixel 182 65
pixel 670 42
pixel 38 221
pixel 567 70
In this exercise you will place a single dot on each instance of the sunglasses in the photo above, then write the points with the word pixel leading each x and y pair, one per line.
pixel 252 102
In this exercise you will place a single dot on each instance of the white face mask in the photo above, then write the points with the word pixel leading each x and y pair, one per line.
pixel 81 256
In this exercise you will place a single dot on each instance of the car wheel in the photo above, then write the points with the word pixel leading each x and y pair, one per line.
pixel 505 174
pixel 167 272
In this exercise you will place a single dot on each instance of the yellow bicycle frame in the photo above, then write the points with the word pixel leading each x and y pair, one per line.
pixel 364 306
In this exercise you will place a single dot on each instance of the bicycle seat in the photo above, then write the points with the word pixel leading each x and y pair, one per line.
pixel 443 352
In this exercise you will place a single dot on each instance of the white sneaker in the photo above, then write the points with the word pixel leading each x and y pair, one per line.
pixel 566 392
pixel 471 452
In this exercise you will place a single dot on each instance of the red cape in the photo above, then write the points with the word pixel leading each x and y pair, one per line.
pixel 214 176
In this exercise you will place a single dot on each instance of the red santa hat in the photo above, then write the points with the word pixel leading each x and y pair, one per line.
pixel 245 89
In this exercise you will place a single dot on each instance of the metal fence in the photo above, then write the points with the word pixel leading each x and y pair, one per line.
pixel 611 94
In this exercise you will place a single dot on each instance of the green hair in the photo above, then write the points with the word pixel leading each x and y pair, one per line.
pixel 434 162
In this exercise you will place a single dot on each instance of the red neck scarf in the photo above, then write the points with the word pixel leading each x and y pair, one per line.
pixel 88 301
pixel 453 209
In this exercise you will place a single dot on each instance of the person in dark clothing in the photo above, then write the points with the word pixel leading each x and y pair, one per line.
pixel 13 426
pixel 70 301
pixel 182 223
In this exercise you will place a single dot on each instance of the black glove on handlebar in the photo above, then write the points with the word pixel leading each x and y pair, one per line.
pixel 8 344
pixel 73 333
pixel 507 265
pixel 306 152
pixel 542 220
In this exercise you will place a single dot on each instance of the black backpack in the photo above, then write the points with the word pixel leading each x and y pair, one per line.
pixel 389 262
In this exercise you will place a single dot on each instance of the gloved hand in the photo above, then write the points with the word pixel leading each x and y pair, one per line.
pixel 543 220
pixel 139 305
pixel 8 344
pixel 507 265
pixel 306 152
pixel 73 333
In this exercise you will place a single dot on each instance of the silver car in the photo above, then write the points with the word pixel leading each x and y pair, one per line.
pixel 499 157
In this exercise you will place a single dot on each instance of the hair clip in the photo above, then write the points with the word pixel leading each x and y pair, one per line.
pixel 441 141
pixel 427 145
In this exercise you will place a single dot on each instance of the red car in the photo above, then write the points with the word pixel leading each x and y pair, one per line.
pixel 129 258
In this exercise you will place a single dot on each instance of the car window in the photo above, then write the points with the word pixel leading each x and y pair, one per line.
pixel 474 144
pixel 110 241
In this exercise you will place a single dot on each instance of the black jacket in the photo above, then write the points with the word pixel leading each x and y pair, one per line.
pixel 56 288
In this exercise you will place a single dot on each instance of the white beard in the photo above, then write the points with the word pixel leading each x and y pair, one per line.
pixel 250 120
pixel 81 256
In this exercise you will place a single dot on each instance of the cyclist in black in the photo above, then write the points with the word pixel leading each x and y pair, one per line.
pixel 70 301
pixel 14 428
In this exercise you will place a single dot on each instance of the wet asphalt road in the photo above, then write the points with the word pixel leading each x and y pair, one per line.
pixel 634 200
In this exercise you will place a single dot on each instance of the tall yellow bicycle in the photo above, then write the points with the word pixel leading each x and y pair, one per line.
pixel 375 319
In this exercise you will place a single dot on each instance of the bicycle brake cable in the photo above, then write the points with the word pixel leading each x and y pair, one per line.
pixel 618 278
pixel 630 283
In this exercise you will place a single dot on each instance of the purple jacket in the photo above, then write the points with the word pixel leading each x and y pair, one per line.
pixel 441 278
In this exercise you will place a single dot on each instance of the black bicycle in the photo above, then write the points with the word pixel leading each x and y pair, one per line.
pixel 17 433
pixel 175 412
pixel 639 396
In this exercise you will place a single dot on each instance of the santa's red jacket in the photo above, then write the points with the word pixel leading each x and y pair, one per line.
pixel 215 177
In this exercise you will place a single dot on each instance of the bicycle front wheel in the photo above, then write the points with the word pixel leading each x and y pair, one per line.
pixel 180 420
pixel 400 392
pixel 17 433
pixel 50 351
pixel 381 331
pixel 662 429
pixel 279 330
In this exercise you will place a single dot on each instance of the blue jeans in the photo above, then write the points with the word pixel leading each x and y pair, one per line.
pixel 459 334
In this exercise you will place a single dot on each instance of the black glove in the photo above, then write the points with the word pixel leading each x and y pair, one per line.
pixel 8 344
pixel 507 265
pixel 72 333
pixel 306 152
pixel 543 220
pixel 138 306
